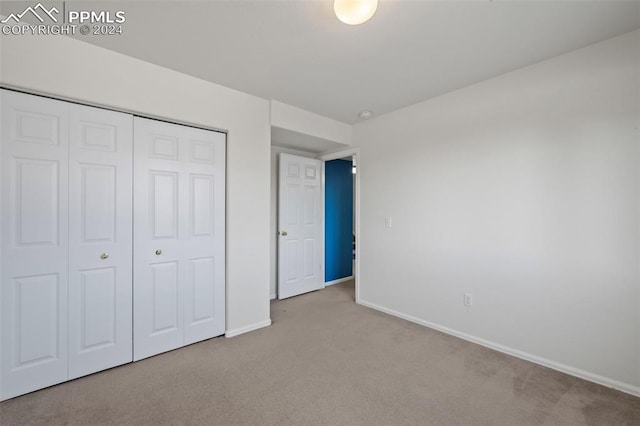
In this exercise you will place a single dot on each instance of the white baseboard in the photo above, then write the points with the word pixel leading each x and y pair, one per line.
pixel 339 280
pixel 563 368
pixel 252 327
pixel 272 296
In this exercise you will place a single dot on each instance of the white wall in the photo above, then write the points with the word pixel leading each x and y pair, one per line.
pixel 299 132
pixel 524 191
pixel 304 122
pixel 275 151
pixel 72 69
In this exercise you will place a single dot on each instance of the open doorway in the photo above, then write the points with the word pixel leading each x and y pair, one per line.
pixel 342 218
pixel 339 230
pixel 278 240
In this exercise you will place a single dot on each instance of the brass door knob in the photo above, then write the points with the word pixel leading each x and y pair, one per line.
pixel 158 252
pixel 104 256
pixel 284 233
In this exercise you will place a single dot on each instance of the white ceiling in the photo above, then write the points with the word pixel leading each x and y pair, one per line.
pixel 297 52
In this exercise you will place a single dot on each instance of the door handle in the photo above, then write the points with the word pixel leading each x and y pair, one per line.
pixel 158 252
pixel 284 233
pixel 104 256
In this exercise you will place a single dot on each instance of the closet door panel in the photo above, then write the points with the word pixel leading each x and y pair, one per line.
pixel 158 265
pixel 34 242
pixel 100 200
pixel 179 241
pixel 205 236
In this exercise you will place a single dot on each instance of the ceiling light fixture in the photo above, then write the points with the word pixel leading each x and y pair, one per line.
pixel 355 12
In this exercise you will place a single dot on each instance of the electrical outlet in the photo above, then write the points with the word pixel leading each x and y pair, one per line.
pixel 388 222
pixel 468 299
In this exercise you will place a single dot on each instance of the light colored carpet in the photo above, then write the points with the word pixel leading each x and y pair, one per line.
pixel 326 360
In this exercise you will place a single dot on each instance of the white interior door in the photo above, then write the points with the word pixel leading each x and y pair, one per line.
pixel 100 239
pixel 34 236
pixel 179 236
pixel 301 226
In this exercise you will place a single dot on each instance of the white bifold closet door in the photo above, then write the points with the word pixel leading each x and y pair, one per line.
pixel 35 242
pixel 100 240
pixel 179 236
pixel 65 235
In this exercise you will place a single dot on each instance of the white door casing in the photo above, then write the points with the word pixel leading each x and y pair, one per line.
pixel 34 242
pixel 301 225
pixel 179 236
pixel 100 239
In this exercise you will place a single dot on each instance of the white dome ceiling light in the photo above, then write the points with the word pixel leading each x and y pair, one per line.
pixel 355 12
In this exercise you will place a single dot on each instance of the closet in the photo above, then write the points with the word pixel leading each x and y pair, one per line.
pixel 179 219
pixel 112 239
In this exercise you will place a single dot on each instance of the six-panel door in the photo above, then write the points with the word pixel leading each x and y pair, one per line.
pixel 66 197
pixel 179 236
pixel 301 227
pixel 35 243
pixel 66 288
pixel 100 235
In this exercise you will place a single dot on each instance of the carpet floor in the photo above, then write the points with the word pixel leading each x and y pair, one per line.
pixel 326 360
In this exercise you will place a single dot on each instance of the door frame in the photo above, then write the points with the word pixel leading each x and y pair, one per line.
pixel 352 152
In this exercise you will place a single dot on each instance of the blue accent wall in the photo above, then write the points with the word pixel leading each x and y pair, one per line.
pixel 338 243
